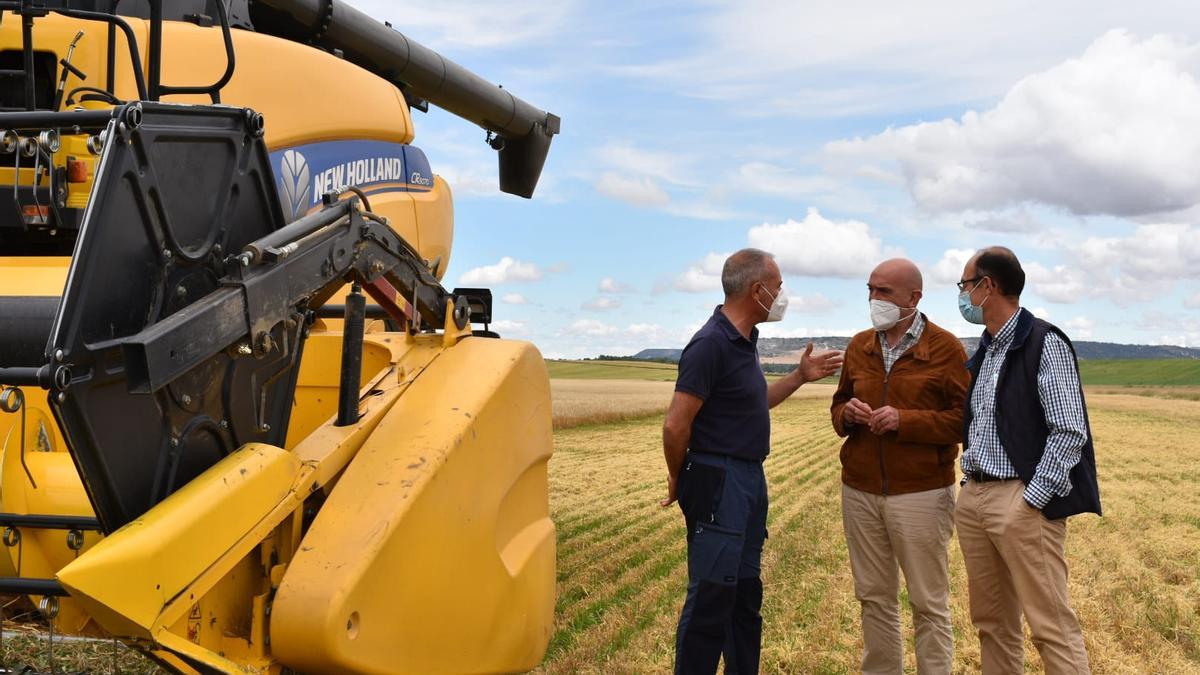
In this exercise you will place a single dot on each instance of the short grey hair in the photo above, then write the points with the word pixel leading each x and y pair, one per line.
pixel 743 269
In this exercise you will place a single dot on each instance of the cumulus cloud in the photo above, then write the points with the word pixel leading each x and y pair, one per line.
pixel 506 271
pixel 514 299
pixel 1111 132
pixel 638 191
pixel 1060 283
pixel 602 303
pixel 1134 268
pixel 819 247
pixel 610 285
pixel 703 276
pixel 948 270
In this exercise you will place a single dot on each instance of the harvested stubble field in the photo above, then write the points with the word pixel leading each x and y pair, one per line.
pixel 1135 573
pixel 621 565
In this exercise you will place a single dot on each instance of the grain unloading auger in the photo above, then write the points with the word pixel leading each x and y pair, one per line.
pixel 198 458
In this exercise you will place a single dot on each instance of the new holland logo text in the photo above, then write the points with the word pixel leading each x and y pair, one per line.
pixel 358 172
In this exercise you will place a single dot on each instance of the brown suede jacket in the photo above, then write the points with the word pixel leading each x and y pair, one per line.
pixel 927 385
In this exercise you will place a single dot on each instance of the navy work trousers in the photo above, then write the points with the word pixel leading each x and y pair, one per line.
pixel 724 503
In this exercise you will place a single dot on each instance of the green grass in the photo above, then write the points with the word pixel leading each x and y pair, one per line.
pixel 612 370
pixel 1141 372
pixel 1108 372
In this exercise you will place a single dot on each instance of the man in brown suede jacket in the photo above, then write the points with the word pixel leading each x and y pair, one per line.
pixel 900 406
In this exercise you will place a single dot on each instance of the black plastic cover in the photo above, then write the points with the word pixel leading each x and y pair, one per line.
pixel 178 189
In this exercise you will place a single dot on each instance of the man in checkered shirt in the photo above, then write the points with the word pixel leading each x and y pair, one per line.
pixel 1028 463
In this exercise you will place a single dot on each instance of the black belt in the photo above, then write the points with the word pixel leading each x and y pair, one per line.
pixel 981 477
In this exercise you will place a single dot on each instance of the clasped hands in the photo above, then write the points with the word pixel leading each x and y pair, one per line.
pixel 878 420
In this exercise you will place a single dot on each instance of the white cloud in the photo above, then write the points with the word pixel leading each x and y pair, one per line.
pixel 775 180
pixel 661 180
pixel 602 303
pixel 819 247
pixel 814 303
pixel 478 24
pixel 591 328
pixel 514 299
pixel 703 276
pixel 508 328
pixel 506 271
pixel 610 285
pixel 640 191
pixel 814 59
pixel 1127 270
pixel 1061 284
pixel 668 167
pixel 1041 313
pixel 1171 329
pixel 1079 328
pixel 1113 131
pixel 1192 302
pixel 1018 221
pixel 948 270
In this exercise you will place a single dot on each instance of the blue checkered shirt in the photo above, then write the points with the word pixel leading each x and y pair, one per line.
pixel 910 337
pixel 1058 391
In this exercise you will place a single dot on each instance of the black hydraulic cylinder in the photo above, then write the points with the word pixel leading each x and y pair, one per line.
pixel 332 24
pixel 27 48
pixel 22 376
pixel 352 343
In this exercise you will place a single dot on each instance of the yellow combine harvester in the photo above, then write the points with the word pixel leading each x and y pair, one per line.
pixel 204 457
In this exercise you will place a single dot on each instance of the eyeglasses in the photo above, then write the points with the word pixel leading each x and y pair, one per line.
pixel 962 285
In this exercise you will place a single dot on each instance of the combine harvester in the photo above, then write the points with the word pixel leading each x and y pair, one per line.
pixel 203 457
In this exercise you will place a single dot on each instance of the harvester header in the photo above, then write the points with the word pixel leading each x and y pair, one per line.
pixel 255 470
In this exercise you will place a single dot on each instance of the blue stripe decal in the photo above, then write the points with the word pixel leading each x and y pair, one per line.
pixel 305 172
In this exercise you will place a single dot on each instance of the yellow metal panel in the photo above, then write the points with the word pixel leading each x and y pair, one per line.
pixel 435 220
pixel 33 276
pixel 127 579
pixel 320 374
pixel 306 94
pixel 434 552
pixel 54 33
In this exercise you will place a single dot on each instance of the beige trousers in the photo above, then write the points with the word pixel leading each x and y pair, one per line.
pixel 1014 559
pixel 910 533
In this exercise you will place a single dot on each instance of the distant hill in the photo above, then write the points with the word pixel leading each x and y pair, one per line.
pixel 788 350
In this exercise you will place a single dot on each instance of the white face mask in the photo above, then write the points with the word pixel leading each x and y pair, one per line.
pixel 778 307
pixel 885 314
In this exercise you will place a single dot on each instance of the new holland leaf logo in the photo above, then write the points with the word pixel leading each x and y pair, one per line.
pixel 295 184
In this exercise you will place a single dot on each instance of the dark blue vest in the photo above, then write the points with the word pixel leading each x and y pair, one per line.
pixel 1021 422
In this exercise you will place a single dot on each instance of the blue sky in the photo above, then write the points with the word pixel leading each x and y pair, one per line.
pixel 833 135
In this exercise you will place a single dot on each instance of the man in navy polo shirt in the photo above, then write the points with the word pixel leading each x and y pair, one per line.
pixel 716 435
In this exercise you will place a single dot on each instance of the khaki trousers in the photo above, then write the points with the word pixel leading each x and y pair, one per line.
pixel 1014 559
pixel 901 532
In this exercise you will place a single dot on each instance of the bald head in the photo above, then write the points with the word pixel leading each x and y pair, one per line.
pixel 901 273
pixel 897 281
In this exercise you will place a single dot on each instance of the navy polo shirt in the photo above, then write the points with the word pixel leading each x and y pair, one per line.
pixel 721 367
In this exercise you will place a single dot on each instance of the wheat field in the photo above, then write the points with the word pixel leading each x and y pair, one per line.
pixel 1135 574
pixel 621 559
